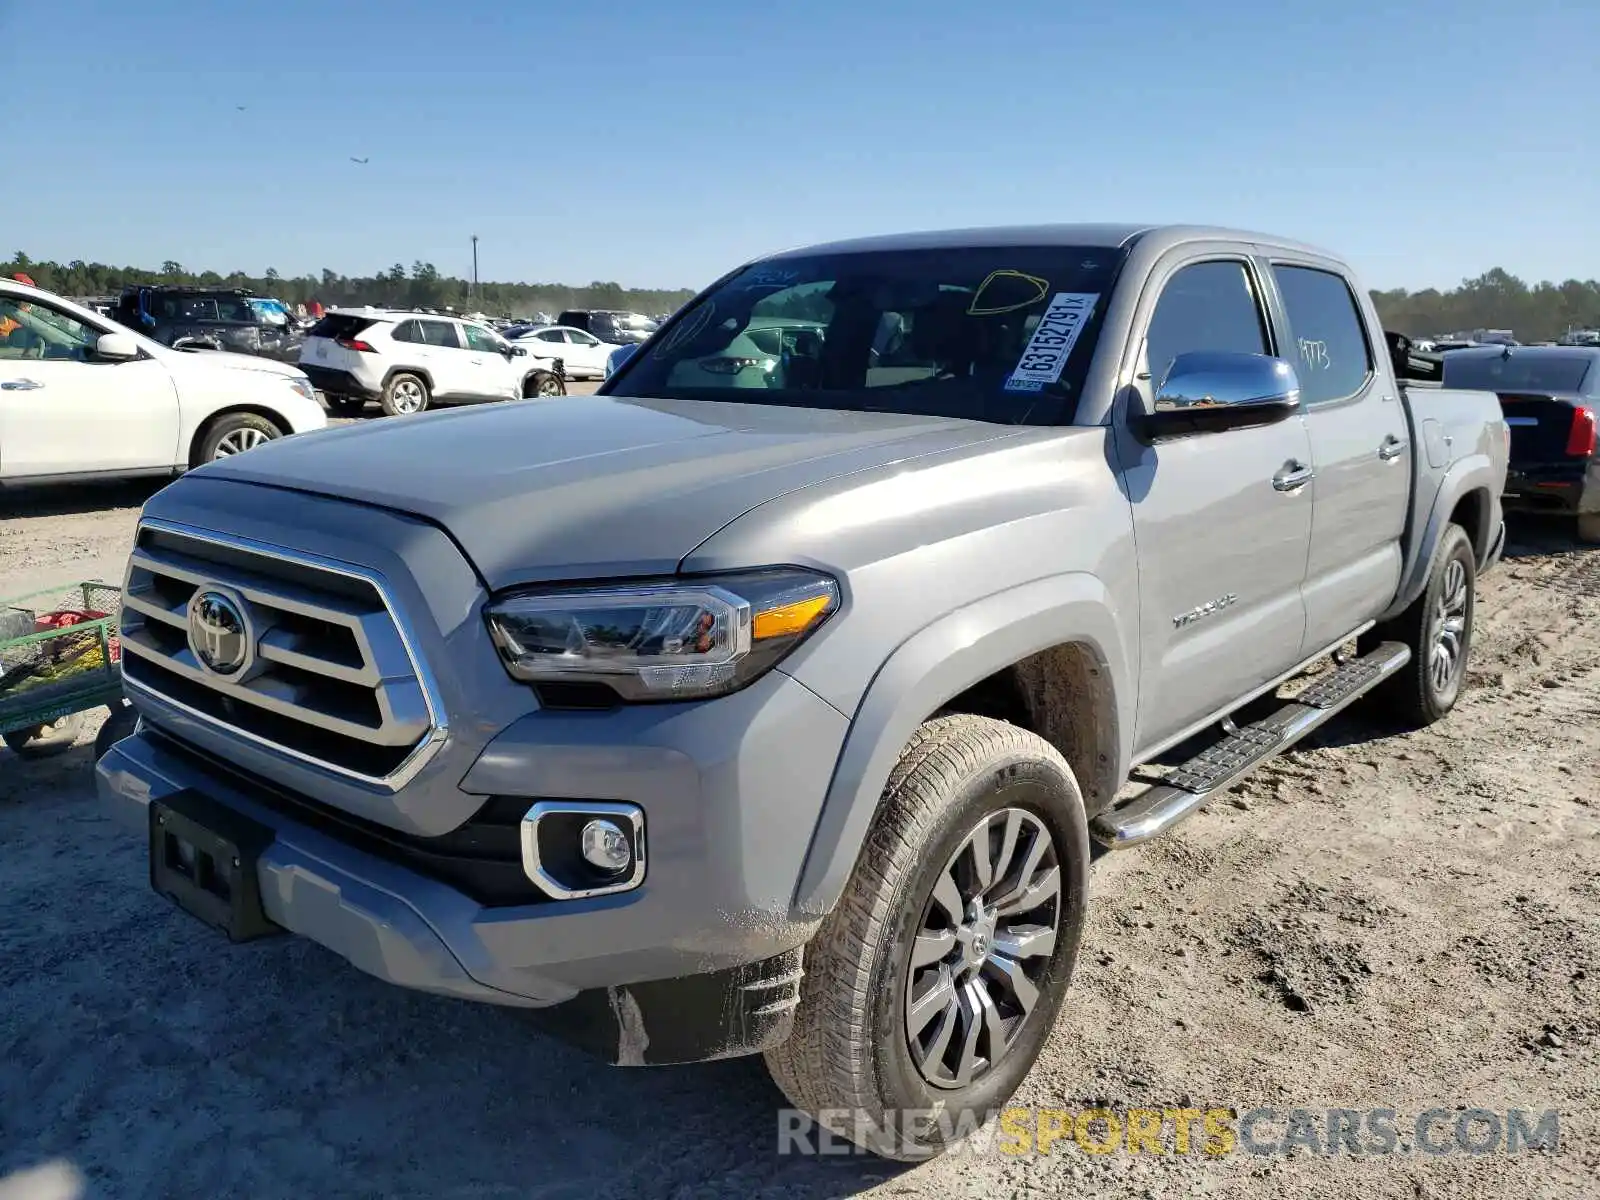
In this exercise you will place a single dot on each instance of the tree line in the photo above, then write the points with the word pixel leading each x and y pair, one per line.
pixel 420 287
pixel 1494 300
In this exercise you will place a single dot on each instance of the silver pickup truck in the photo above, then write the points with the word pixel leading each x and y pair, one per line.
pixel 777 698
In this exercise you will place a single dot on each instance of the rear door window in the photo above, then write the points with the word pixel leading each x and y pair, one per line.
pixel 440 333
pixel 1328 339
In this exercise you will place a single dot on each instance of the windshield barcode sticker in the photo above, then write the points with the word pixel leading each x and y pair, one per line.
pixel 1051 344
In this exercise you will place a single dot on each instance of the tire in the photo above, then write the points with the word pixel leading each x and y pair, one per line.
pixel 1589 528
pixel 543 383
pixel 850 1060
pixel 234 433
pixel 118 725
pixel 405 395
pixel 45 741
pixel 1420 694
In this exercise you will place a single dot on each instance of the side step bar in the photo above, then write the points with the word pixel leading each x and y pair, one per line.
pixel 1189 787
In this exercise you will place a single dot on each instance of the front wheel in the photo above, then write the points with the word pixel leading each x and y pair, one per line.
pixel 543 384
pixel 234 434
pixel 932 986
pixel 1438 629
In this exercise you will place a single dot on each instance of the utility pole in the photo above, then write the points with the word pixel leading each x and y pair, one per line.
pixel 474 266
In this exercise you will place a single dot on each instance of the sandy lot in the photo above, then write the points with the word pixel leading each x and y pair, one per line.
pixel 1403 922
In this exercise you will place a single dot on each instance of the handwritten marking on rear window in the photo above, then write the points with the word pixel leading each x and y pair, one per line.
pixel 1051 345
pixel 1314 354
pixel 1006 291
pixel 685 330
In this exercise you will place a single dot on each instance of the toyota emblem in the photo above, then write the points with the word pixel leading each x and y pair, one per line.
pixel 219 631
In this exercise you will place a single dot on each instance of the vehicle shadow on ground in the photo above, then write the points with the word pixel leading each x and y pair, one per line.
pixel 59 500
pixel 158 1058
pixel 1532 534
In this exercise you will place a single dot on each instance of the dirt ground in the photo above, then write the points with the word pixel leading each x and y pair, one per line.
pixel 1375 921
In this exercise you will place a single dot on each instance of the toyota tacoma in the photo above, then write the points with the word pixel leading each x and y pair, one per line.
pixel 775 699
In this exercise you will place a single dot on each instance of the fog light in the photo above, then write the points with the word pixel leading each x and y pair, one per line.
pixel 606 846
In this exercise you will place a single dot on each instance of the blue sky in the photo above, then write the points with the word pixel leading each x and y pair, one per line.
pixel 657 143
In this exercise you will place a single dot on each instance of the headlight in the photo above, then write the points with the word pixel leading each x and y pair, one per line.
pixel 674 640
pixel 303 386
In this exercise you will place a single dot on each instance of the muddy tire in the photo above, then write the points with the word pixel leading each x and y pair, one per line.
pixel 543 385
pixel 935 981
pixel 233 433
pixel 405 395
pixel 45 741
pixel 1438 628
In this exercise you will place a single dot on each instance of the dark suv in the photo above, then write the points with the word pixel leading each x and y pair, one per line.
pixel 617 328
pixel 214 318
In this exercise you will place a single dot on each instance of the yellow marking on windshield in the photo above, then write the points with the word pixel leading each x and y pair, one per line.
pixel 1040 287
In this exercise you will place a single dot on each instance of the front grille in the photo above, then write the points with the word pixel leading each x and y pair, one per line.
pixel 328 674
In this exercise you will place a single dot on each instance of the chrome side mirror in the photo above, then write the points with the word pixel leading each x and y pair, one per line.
pixel 1212 390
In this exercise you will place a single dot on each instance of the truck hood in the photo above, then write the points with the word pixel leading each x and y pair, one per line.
pixel 591 486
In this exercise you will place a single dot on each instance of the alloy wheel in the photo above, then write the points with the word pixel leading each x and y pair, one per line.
pixel 985 942
pixel 407 396
pixel 1447 654
pixel 239 440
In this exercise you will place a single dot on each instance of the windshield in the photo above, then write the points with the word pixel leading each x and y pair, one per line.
pixel 1000 334
pixel 1518 372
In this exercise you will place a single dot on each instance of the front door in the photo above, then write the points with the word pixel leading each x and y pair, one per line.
pixel 1222 547
pixel 1358 434
pixel 64 412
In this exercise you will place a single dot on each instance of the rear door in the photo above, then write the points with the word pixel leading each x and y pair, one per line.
pixel 1359 450
pixel 63 412
pixel 443 354
pixel 1222 541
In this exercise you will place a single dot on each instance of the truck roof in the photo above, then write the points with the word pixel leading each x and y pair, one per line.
pixel 1108 235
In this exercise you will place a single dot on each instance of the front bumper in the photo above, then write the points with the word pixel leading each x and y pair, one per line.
pixel 730 789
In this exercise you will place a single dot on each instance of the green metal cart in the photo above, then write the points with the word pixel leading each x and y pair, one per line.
pixel 60 657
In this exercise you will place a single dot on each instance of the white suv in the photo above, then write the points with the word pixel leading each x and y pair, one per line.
pixel 82 397
pixel 407 361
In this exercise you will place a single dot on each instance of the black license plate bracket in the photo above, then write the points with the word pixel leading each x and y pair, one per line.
pixel 204 858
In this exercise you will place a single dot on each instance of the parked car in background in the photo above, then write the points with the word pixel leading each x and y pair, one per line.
pixel 620 355
pixel 1551 397
pixel 617 328
pixel 231 319
pixel 783 719
pixel 82 397
pixel 408 362
pixel 583 354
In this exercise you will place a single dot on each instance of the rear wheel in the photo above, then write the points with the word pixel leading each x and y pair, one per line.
pixel 404 395
pixel 1589 528
pixel 346 406
pixel 234 433
pixel 933 984
pixel 1438 628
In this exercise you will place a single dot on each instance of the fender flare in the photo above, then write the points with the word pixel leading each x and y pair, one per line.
pixel 419 372
pixel 934 665
pixel 1473 473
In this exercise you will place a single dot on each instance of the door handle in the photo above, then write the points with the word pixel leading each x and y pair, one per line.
pixel 20 385
pixel 1392 447
pixel 1294 475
